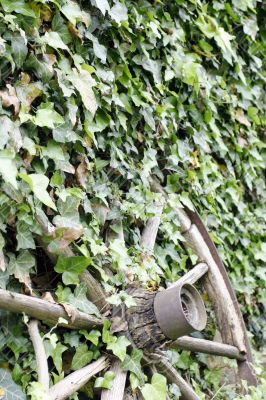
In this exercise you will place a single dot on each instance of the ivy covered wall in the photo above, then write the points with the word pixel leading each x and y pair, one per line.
pixel 95 98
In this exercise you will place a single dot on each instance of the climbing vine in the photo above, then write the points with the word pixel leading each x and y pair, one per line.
pixel 95 98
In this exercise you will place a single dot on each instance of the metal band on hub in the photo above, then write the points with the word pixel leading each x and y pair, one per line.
pixel 180 311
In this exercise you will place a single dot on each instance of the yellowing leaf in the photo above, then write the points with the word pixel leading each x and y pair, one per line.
pixel 83 82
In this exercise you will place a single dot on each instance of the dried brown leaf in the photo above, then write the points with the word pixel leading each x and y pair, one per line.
pixel 9 98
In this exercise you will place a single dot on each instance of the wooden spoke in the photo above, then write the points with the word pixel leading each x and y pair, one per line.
pixel 150 231
pixel 41 359
pixel 45 310
pixel 193 275
pixel 207 347
pixel 119 382
pixel 165 368
pixel 73 382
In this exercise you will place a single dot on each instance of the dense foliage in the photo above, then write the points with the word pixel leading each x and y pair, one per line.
pixel 94 99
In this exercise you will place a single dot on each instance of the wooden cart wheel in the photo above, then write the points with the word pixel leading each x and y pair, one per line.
pixel 159 320
pixel 148 332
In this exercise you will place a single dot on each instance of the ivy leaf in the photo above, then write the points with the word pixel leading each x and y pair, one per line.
pixel 56 354
pixel 54 40
pixel 103 5
pixel 119 253
pixel 156 390
pixel 54 151
pixel 24 236
pixel 119 347
pixel 93 336
pixel 21 266
pixel 47 116
pixel 19 49
pixel 38 184
pixel 250 27
pixel 119 13
pixel 8 168
pixel 105 382
pixel 18 6
pixel 9 390
pixel 132 363
pixel 37 392
pixel 71 268
pixel 77 299
pixel 83 82
pixel 82 357
pixel 80 301
pixel 73 13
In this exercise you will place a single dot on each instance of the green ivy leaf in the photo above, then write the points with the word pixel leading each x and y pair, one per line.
pixel 54 40
pixel 8 167
pixel 46 116
pixel 77 299
pixel 119 346
pixel 18 6
pixel 71 268
pixel 105 382
pixel 8 388
pixel 38 184
pixel 132 363
pixel 83 82
pixel 81 357
pixel 93 336
pixel 156 390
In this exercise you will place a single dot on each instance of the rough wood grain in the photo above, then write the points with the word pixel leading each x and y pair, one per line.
pixel 45 310
pixel 118 388
pixel 192 276
pixel 143 327
pixel 207 347
pixel 73 382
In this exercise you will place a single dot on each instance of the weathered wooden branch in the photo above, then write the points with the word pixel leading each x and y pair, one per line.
pixel 165 368
pixel 41 359
pixel 73 382
pixel 118 388
pixel 207 347
pixel 193 275
pixel 45 311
